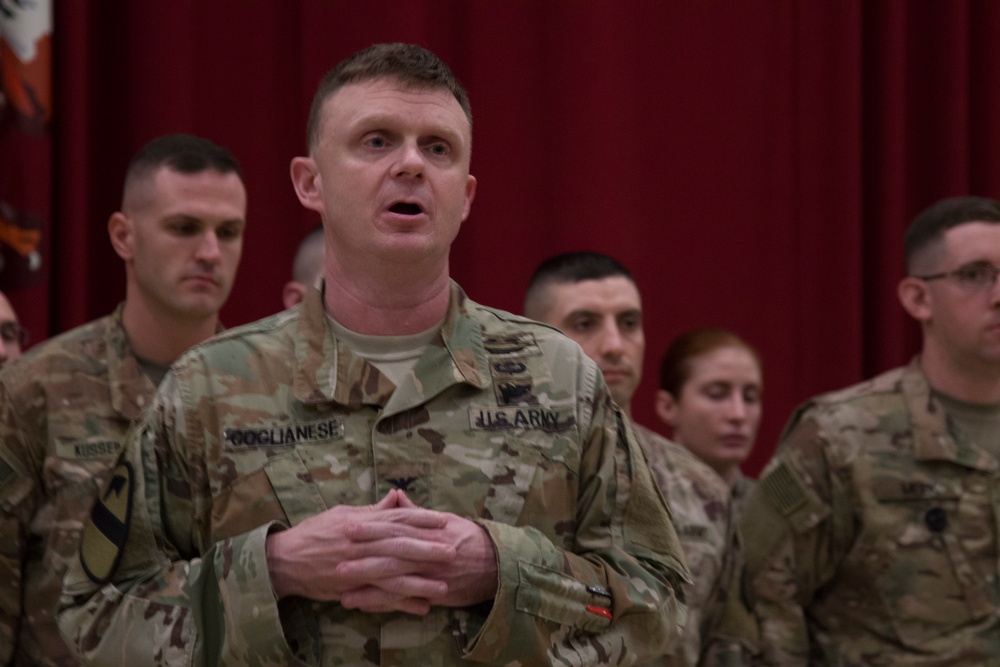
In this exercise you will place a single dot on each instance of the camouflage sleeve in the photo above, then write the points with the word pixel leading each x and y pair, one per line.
pixel 148 584
pixel 792 518
pixel 614 598
pixel 18 497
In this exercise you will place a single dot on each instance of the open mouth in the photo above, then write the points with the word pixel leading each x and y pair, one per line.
pixel 406 208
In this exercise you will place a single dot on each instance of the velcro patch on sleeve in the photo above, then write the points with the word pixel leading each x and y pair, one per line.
pixel 783 488
pixel 106 531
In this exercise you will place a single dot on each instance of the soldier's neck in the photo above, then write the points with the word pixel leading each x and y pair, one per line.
pixel 967 380
pixel 160 337
pixel 387 305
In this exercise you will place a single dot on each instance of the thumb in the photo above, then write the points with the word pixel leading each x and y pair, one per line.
pixel 389 501
pixel 405 502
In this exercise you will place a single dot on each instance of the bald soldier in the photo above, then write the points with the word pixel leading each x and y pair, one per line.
pixel 388 473
pixel 594 300
pixel 12 334
pixel 876 524
pixel 307 268
pixel 66 405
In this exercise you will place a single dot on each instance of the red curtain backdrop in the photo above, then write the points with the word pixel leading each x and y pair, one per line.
pixel 755 163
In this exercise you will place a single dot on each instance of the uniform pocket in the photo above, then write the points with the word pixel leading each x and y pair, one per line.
pixel 533 483
pixel 924 557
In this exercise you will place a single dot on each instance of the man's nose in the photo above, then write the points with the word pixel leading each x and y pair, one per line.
pixel 410 161
pixel 208 247
pixel 611 340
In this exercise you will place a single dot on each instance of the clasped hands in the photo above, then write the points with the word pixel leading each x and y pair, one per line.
pixel 391 556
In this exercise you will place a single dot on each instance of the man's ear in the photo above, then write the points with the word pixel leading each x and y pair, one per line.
pixel 470 194
pixel 121 231
pixel 307 183
pixel 293 293
pixel 666 407
pixel 916 299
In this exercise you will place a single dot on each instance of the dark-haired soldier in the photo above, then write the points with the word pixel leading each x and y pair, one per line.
pixel 66 404
pixel 875 528
pixel 388 473
pixel 594 300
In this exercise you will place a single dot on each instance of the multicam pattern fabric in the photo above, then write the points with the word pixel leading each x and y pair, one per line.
pixel 720 628
pixel 502 420
pixel 741 490
pixel 65 408
pixel 875 534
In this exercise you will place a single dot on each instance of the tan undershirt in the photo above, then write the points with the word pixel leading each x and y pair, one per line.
pixel 152 370
pixel 977 422
pixel 394 356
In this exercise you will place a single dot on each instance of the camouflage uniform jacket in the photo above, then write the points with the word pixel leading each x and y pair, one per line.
pixel 875 534
pixel 741 489
pixel 65 407
pixel 502 420
pixel 720 629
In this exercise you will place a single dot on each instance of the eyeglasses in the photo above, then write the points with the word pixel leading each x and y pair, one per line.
pixel 973 277
pixel 13 333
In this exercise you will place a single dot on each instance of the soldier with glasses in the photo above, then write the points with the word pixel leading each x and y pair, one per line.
pixel 875 527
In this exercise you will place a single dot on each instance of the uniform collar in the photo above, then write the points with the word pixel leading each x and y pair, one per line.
pixel 329 371
pixel 131 390
pixel 934 440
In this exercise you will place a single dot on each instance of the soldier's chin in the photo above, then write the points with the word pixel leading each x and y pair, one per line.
pixel 201 309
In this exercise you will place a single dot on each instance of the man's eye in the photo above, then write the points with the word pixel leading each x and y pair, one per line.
pixel 980 274
pixel 185 229
pixel 439 149
pixel 228 233
pixel 583 325
pixel 377 142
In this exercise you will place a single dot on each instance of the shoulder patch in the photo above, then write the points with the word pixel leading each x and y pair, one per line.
pixel 783 488
pixel 105 533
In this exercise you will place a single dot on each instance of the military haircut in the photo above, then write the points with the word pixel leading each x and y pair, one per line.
pixel 184 153
pixel 309 256
pixel 675 367
pixel 930 225
pixel 410 64
pixel 570 267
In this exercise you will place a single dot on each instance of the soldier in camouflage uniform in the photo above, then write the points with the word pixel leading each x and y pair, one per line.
pixel 387 473
pixel 594 300
pixel 66 405
pixel 711 386
pixel 11 333
pixel 307 268
pixel 876 523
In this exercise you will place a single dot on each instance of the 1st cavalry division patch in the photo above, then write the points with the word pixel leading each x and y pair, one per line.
pixel 105 533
